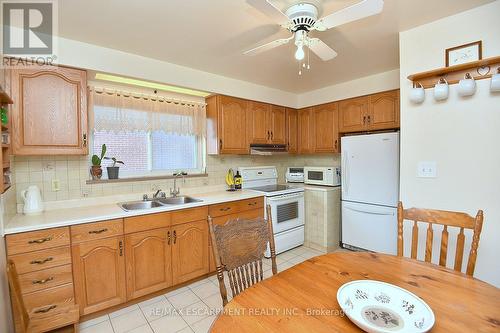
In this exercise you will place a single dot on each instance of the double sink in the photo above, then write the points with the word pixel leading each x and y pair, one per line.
pixel 157 202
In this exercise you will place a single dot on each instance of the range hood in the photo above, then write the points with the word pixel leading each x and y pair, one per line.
pixel 267 149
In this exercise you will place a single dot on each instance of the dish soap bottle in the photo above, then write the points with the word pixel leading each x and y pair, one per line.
pixel 237 181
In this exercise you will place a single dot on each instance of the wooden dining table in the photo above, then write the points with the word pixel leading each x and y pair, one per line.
pixel 303 298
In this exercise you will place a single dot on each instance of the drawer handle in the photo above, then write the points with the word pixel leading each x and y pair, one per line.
pixel 168 237
pixel 175 236
pixel 47 309
pixel 252 204
pixel 40 262
pixel 40 241
pixel 100 231
pixel 225 209
pixel 43 281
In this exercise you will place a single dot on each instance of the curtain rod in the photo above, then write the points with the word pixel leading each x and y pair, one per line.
pixel 138 95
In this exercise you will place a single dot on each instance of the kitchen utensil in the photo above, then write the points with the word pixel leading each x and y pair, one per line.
pixel 379 307
pixel 467 86
pixel 441 90
pixel 32 197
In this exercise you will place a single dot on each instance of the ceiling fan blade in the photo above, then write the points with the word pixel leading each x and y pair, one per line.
pixel 270 9
pixel 355 12
pixel 268 46
pixel 322 50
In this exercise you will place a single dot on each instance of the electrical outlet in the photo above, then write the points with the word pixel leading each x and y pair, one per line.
pixel 55 185
pixel 427 169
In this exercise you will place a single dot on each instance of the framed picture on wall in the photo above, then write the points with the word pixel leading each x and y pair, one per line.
pixel 464 53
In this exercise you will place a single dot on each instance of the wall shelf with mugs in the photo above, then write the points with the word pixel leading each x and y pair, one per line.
pixel 5 101
pixel 464 74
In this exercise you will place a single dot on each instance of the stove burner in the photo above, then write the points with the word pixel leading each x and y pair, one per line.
pixel 271 188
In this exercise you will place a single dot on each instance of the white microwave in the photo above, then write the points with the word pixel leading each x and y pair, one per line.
pixel 322 176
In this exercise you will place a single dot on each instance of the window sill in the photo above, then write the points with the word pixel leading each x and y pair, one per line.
pixel 139 179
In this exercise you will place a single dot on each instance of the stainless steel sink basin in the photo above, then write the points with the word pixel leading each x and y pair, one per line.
pixel 155 203
pixel 182 199
pixel 138 205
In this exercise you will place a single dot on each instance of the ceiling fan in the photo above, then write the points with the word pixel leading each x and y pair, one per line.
pixel 302 18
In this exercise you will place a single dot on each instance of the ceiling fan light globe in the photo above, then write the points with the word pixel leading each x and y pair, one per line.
pixel 299 54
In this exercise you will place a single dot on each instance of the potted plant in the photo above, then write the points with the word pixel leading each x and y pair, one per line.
pixel 113 169
pixel 95 169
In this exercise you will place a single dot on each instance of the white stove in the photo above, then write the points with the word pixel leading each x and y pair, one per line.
pixel 287 205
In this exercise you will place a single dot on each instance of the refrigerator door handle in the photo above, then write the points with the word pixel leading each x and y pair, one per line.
pixel 345 173
pixel 371 213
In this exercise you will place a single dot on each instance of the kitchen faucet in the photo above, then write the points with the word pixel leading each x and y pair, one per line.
pixel 156 195
pixel 176 191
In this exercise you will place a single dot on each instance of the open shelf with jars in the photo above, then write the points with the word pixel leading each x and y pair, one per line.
pixel 5 101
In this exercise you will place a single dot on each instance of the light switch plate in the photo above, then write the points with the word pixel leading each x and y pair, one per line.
pixel 427 169
pixel 55 185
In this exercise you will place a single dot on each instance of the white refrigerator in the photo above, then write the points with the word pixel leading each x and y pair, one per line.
pixel 370 191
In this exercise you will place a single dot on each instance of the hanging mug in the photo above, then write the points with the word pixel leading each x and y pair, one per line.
pixel 441 90
pixel 495 81
pixel 467 86
pixel 417 94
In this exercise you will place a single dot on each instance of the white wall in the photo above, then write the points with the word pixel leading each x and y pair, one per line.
pixel 461 135
pixel 363 86
pixel 92 57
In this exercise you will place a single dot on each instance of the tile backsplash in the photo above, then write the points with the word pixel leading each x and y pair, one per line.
pixel 72 172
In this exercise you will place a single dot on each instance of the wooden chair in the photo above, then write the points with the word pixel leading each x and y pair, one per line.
pixel 52 319
pixel 445 218
pixel 239 246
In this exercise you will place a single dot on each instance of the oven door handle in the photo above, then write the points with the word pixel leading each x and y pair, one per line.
pixel 286 197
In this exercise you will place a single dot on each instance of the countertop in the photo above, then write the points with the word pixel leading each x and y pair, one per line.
pixel 93 213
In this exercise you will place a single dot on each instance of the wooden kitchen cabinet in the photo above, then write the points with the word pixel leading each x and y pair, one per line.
pixel 148 262
pixel 384 110
pixel 325 128
pixel 370 113
pixel 226 125
pixel 353 114
pixel 99 274
pixel 189 251
pixel 266 124
pixel 304 133
pixel 49 116
pixel 291 130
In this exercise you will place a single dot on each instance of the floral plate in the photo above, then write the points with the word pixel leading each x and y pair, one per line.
pixel 379 307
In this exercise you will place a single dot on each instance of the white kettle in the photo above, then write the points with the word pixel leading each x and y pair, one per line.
pixel 33 203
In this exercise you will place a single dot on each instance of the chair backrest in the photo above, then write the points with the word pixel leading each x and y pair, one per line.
pixel 446 219
pixel 239 246
pixel 21 320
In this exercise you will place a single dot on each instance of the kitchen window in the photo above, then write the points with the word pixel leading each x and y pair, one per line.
pixel 152 135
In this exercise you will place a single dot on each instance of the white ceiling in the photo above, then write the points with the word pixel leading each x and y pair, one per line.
pixel 210 35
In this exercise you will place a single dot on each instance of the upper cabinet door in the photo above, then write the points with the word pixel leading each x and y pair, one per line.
pixel 278 124
pixel 49 111
pixel 291 130
pixel 325 128
pixel 232 126
pixel 384 111
pixel 259 129
pixel 353 114
pixel 305 142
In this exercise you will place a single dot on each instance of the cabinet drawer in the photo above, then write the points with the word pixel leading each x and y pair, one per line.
pixel 189 215
pixel 250 204
pixel 48 300
pixel 223 209
pixel 36 261
pixel 146 222
pixel 46 278
pixel 37 240
pixel 249 214
pixel 97 230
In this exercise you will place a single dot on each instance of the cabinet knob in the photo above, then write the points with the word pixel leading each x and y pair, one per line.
pixel 175 236
pixel 168 237
pixel 364 120
pixel 369 120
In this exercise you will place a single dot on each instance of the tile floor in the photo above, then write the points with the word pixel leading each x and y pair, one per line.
pixel 191 308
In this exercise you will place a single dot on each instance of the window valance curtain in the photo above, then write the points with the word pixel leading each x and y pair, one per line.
pixel 119 111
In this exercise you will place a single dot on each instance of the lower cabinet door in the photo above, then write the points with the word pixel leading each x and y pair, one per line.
pixel 189 251
pixel 148 262
pixel 99 274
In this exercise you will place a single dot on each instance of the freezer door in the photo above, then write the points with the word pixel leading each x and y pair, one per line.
pixel 370 168
pixel 369 227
